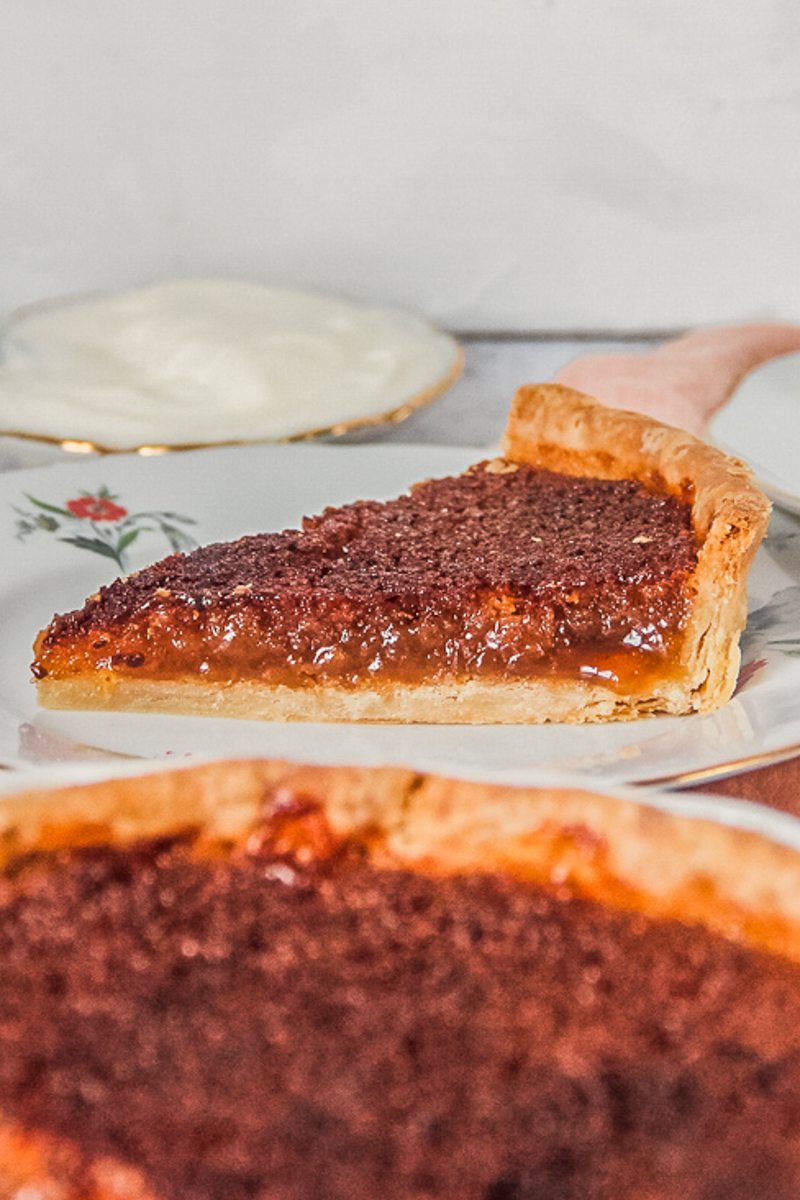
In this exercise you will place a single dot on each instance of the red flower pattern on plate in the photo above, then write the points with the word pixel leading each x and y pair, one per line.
pixel 96 522
pixel 96 508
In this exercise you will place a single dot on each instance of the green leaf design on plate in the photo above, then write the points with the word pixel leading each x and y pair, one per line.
pixel 126 540
pixel 51 508
pixel 177 539
pixel 93 544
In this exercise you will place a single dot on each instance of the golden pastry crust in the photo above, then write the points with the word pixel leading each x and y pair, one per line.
pixel 553 427
pixel 473 701
pixel 611 850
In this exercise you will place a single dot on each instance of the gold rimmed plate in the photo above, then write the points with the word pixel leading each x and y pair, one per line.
pixel 353 367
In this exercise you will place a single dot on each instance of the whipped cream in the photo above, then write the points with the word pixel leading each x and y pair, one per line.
pixel 204 361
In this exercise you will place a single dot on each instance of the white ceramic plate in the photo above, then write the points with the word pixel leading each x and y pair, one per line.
pixel 761 424
pixel 219 494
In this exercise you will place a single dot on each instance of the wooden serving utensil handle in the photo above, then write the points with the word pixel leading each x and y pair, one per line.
pixel 684 381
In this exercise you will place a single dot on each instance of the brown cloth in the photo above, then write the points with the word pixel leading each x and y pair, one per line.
pixel 777 786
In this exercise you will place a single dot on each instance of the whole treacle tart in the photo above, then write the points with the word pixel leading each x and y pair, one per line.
pixel 344 984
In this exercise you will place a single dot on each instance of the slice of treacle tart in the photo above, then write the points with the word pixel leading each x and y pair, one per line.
pixel 597 571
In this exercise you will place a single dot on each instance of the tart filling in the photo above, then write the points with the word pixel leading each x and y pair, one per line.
pixel 296 1020
pixel 508 572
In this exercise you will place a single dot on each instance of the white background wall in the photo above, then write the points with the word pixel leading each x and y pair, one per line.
pixel 499 164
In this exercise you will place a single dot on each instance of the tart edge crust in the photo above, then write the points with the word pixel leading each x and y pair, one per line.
pixel 615 851
pixel 565 431
pixel 607 847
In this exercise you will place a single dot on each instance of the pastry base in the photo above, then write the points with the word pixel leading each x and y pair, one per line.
pixel 471 702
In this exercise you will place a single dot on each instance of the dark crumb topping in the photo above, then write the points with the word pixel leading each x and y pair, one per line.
pixel 259 1031
pixel 518 531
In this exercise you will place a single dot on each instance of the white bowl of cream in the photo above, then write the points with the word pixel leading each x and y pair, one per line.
pixel 203 362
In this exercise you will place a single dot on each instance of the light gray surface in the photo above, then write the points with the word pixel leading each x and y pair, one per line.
pixel 472 413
